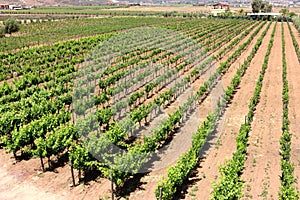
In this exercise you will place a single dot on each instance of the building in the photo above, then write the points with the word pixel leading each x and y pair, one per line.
pixel 26 7
pixel 220 7
pixel 15 7
pixel 273 14
pixel 4 6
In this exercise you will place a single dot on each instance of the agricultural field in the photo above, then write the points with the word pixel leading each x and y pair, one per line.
pixel 150 108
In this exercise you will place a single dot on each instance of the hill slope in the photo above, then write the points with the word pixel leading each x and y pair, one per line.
pixel 54 2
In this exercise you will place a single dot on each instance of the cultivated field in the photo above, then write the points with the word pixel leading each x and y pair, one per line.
pixel 189 9
pixel 170 108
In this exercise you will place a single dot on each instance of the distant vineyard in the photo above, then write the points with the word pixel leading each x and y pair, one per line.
pixel 35 34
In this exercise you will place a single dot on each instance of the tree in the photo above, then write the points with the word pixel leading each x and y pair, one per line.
pixel 284 12
pixel 11 25
pixel 256 5
pixel 266 7
pixel 260 6
pixel 292 14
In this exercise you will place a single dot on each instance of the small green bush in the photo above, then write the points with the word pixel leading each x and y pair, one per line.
pixel 11 25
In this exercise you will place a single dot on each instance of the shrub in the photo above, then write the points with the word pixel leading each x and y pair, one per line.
pixel 11 25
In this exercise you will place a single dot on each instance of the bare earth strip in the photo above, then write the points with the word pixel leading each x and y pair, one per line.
pixel 262 168
pixel 12 188
pixel 23 181
pixel 293 71
pixel 234 117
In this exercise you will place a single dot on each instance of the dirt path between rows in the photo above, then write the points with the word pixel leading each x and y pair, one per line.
pixel 293 71
pixel 222 146
pixel 262 168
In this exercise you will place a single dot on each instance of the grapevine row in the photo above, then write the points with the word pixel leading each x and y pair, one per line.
pixel 287 189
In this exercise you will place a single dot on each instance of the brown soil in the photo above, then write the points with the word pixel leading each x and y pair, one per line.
pixel 293 71
pixel 25 181
pixel 222 146
pixel 262 168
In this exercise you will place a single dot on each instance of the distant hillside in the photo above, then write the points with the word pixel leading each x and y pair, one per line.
pixel 54 2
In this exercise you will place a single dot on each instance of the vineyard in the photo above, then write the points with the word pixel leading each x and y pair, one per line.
pixel 150 108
